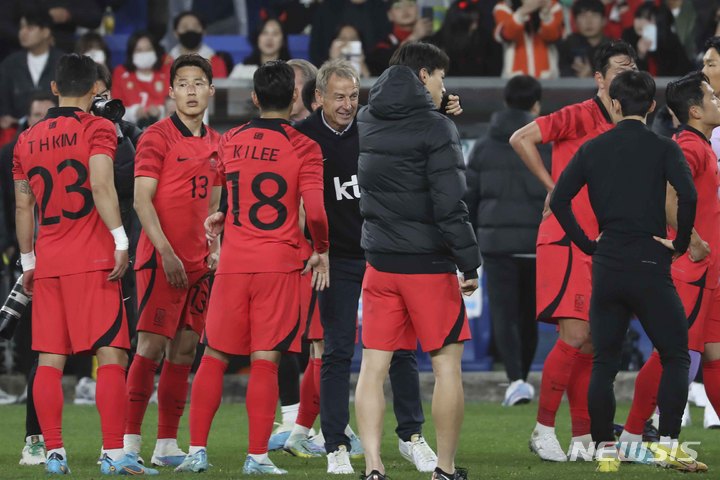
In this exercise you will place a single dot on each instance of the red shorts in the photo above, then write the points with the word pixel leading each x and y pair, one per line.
pixel 78 313
pixel 251 312
pixel 696 302
pixel 712 320
pixel 400 309
pixel 165 310
pixel 564 283
pixel 310 310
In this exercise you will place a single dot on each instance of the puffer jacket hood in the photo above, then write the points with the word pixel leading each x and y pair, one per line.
pixel 391 98
pixel 505 122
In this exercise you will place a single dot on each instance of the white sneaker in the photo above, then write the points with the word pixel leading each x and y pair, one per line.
pixel 686 420
pixel 6 398
pixel 85 392
pixel 711 419
pixel 546 446
pixel 34 452
pixel 419 453
pixel 339 462
pixel 518 392
pixel 697 395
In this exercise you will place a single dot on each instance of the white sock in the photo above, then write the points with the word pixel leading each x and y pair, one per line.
pixel 60 451
pixel 132 442
pixel 540 428
pixel 262 458
pixel 300 430
pixel 349 431
pixel 630 438
pixel 114 454
pixel 165 443
pixel 289 413
pixel 194 449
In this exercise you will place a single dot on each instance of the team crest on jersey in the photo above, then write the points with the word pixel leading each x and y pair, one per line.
pixel 213 160
pixel 159 86
pixel 580 303
pixel 159 319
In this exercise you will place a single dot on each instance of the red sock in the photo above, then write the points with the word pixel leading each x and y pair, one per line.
pixel 260 401
pixel 711 377
pixel 111 400
pixel 205 398
pixel 577 392
pixel 316 371
pixel 645 395
pixel 140 383
pixel 172 396
pixel 48 399
pixel 555 378
pixel 309 400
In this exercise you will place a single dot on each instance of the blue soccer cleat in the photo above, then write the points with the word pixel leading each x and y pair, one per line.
pixel 196 463
pixel 57 465
pixel 127 465
pixel 251 467
pixel 356 448
pixel 278 439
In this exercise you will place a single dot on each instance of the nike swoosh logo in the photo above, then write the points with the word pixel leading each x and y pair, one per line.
pixel 133 470
pixel 182 159
pixel 324 159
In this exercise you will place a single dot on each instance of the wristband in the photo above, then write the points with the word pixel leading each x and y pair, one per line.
pixel 27 260
pixel 121 239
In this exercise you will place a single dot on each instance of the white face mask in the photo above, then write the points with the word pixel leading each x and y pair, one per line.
pixel 144 60
pixel 97 55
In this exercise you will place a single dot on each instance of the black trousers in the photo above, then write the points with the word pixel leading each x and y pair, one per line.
pixel 511 292
pixel 338 314
pixel 616 295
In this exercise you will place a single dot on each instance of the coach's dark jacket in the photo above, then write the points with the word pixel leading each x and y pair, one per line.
pixel 411 178
pixel 504 198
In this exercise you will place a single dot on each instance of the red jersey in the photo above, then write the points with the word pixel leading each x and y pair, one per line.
pixel 704 168
pixel 267 165
pixel 568 128
pixel 185 167
pixel 132 91
pixel 54 155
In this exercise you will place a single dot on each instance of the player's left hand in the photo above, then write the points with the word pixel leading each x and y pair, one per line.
pixel 453 106
pixel 669 245
pixel 468 287
pixel 320 264
pixel 546 207
pixel 121 265
pixel 214 225
pixel 212 260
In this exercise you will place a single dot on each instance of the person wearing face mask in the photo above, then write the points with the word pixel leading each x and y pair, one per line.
pixel 189 29
pixel 93 45
pixel 141 82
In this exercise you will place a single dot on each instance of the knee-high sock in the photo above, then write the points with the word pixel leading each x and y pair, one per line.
pixel 111 400
pixel 316 372
pixel 140 383
pixel 48 396
pixel 645 396
pixel 577 392
pixel 556 376
pixel 172 396
pixel 262 396
pixel 309 398
pixel 711 377
pixel 205 398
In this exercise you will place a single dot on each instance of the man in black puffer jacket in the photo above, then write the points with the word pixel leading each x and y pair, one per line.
pixel 506 202
pixel 416 234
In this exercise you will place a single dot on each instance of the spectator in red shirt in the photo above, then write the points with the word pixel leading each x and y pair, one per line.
pixel 189 29
pixel 141 82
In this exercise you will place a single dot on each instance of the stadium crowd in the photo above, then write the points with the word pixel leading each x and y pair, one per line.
pixel 308 109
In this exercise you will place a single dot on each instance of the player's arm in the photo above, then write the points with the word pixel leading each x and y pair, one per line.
pixel 102 183
pixel 214 246
pixel 25 230
pixel 525 141
pixel 145 189
pixel 679 176
pixel 698 249
pixel 568 185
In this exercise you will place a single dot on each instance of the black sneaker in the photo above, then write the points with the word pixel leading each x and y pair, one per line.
pixel 460 474
pixel 374 475
pixel 650 433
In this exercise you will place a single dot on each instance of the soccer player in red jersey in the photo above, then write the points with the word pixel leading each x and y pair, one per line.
pixel 254 307
pixel 176 188
pixel 563 270
pixel 65 164
pixel 696 274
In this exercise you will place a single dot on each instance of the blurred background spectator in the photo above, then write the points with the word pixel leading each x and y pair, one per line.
pixel 268 42
pixel 305 72
pixel 141 82
pixel 658 47
pixel 189 29
pixel 528 30
pixel 686 24
pixel 348 44
pixel 577 51
pixel 93 45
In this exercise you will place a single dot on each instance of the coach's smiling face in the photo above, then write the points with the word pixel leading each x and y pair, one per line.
pixel 340 101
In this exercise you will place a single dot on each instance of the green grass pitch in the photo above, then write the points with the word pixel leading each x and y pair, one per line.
pixel 493 446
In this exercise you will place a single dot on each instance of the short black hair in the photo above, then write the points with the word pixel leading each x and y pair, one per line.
pixel 191 60
pixel 612 49
pixel 419 55
pixel 274 84
pixel 308 94
pixel 684 93
pixel 75 75
pixel 37 17
pixel 522 92
pixel 582 6
pixel 104 75
pixel 635 91
pixel 187 13
pixel 713 42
